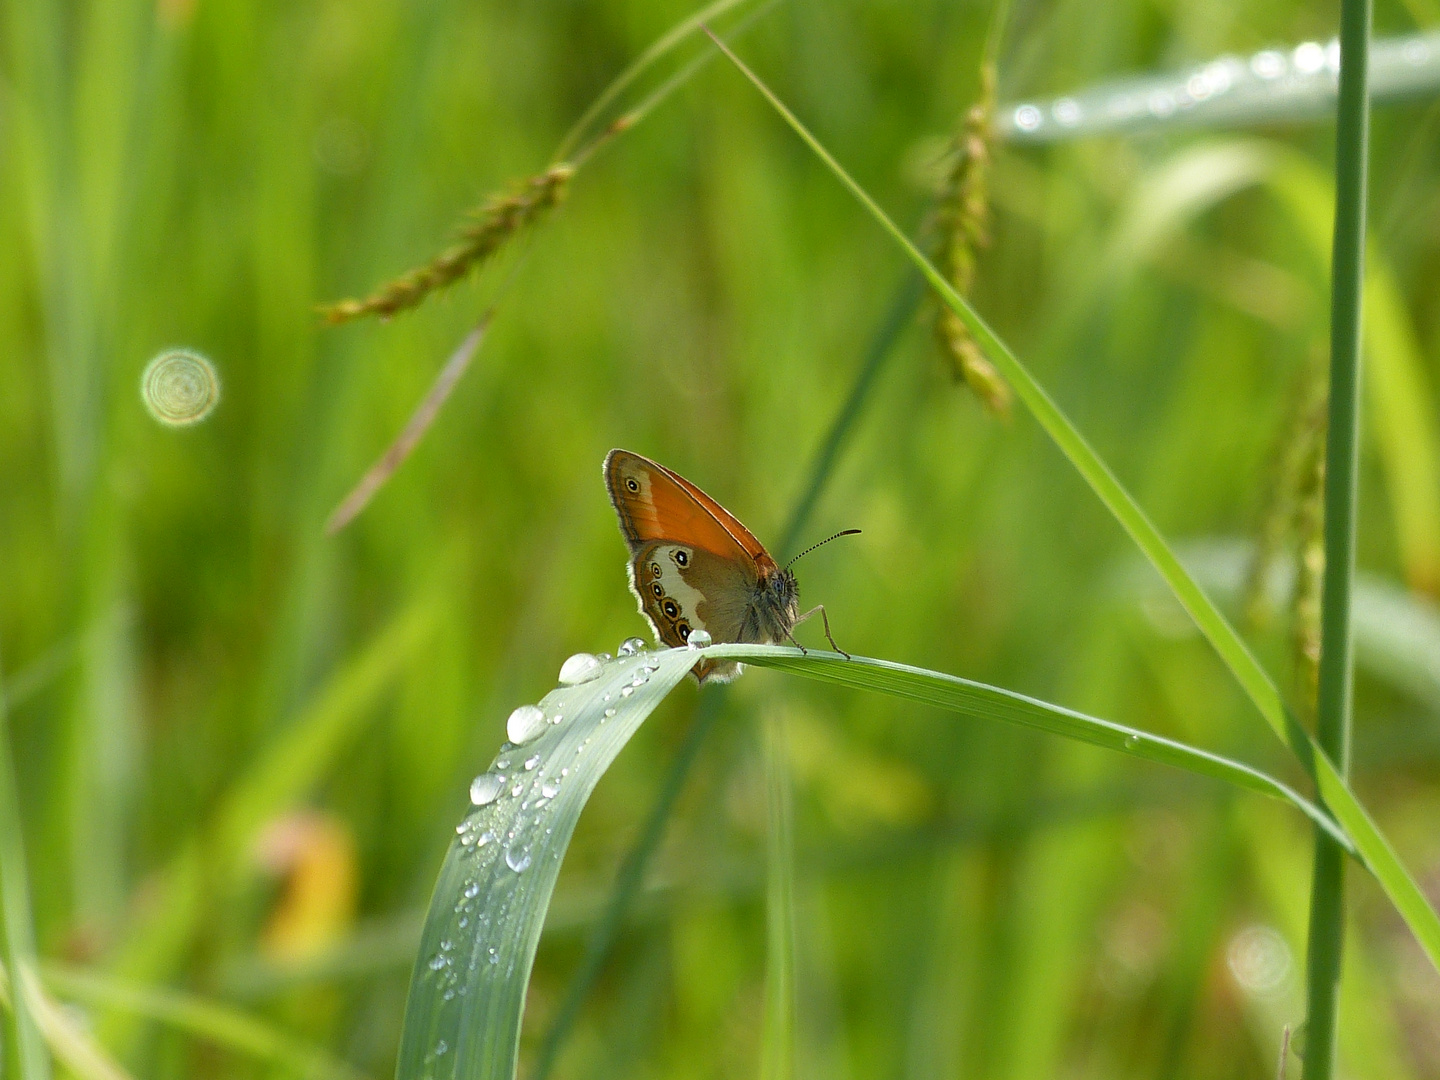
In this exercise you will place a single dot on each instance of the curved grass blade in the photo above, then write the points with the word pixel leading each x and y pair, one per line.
pixel 17 930
pixel 1273 86
pixel 980 700
pixel 67 1036
pixel 1374 848
pixel 467 992
pixel 217 1022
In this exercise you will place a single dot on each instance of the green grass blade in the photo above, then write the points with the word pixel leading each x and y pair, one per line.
pixel 25 1046
pixel 777 1036
pixel 1335 697
pixel 637 67
pixel 219 1023
pixel 467 993
pixel 1373 847
pixel 955 694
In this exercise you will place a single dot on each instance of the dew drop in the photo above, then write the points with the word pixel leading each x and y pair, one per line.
pixel 603 657
pixel 179 387
pixel 485 838
pixel 531 763
pixel 525 724
pixel 630 646
pixel 609 713
pixel 550 788
pixel 437 962
pixel 472 890
pixel 580 668
pixel 502 763
pixel 517 860
pixel 626 691
pixel 441 1048
pixel 515 791
pixel 486 788
pixel 558 718
pixel 1132 741
pixel 698 639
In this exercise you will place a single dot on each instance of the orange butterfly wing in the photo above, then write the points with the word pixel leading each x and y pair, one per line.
pixel 654 503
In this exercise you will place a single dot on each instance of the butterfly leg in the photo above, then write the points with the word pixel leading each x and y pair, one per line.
pixel 824 618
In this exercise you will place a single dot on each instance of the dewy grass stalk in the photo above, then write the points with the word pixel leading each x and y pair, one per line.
pixel 1374 848
pixel 1333 702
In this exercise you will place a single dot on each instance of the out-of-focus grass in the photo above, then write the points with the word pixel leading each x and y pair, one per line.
pixel 202 173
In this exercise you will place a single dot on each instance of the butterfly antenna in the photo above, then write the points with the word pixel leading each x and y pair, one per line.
pixel 812 547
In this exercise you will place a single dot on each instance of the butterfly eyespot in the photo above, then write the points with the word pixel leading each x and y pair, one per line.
pixel 670 608
pixel 657 589
pixel 655 569
pixel 682 557
pixel 632 484
pixel 683 629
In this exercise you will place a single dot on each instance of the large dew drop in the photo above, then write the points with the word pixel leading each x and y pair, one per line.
pixel 580 668
pixel 179 387
pixel 630 646
pixel 698 638
pixel 486 788
pixel 517 860
pixel 525 723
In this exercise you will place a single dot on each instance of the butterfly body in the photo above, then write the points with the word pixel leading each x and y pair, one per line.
pixel 694 566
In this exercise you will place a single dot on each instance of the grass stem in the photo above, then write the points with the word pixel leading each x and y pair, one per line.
pixel 25 1046
pixel 1333 702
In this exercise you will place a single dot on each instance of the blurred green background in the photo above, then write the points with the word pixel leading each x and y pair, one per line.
pixel 242 746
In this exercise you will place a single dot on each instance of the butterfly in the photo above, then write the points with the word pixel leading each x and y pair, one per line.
pixel 693 566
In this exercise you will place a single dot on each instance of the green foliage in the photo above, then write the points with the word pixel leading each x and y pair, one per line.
pixel 191 662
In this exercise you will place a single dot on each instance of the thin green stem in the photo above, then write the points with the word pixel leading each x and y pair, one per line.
pixel 637 67
pixel 1374 848
pixel 1333 703
pixel 24 1039
pixel 220 1023
pixel 897 317
pixel 777 1039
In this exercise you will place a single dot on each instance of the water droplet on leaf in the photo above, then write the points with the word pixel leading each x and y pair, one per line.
pixel 517 860
pixel 531 763
pixel 630 646
pixel 698 639
pixel 580 668
pixel 525 724
pixel 486 788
